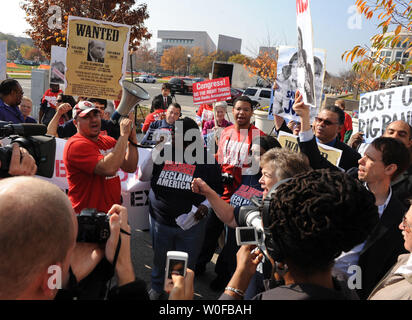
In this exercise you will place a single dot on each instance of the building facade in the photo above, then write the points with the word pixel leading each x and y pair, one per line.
pixel 188 39
pixel 399 54
pixel 229 44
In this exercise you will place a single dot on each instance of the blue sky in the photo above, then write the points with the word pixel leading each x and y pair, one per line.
pixel 253 21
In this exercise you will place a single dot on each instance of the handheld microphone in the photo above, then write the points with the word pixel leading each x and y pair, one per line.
pixel 22 129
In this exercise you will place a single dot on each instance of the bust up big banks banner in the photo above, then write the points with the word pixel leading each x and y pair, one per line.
pixel 378 109
pixel 96 57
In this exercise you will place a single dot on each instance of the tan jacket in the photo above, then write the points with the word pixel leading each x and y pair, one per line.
pixel 394 287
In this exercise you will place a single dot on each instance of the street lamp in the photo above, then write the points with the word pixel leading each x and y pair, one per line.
pixel 188 63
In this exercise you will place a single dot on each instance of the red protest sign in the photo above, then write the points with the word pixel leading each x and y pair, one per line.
pixel 211 91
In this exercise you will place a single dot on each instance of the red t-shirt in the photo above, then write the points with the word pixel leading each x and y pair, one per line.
pixel 87 189
pixel 51 98
pixel 232 154
pixel 156 115
pixel 205 113
pixel 346 127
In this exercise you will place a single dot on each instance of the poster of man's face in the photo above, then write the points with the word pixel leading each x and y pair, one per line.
pixel 96 51
pixel 287 81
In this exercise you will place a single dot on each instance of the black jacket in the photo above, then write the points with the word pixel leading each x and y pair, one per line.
pixel 402 187
pixel 160 97
pixel 305 292
pixel 382 247
pixel 348 160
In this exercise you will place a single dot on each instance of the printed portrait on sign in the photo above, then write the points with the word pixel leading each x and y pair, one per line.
pixel 96 51
pixel 305 68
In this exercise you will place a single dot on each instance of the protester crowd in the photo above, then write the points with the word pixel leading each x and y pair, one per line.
pixel 321 222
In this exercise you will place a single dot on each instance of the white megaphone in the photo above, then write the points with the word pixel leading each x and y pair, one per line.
pixel 132 94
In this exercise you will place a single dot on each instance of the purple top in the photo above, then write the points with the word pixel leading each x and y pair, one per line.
pixel 209 125
pixel 12 114
pixel 30 120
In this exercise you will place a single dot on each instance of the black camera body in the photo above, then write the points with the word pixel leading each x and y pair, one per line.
pixel 29 136
pixel 94 226
pixel 227 178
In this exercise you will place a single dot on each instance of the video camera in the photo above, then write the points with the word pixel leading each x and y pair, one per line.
pixel 251 230
pixel 94 226
pixel 227 178
pixel 251 217
pixel 33 138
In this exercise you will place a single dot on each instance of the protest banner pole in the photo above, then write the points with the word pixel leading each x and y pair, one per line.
pixel 131 64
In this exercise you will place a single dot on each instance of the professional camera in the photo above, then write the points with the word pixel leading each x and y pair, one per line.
pixel 250 222
pixel 227 178
pixel 31 137
pixel 94 226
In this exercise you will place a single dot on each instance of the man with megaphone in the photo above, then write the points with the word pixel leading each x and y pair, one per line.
pixel 92 160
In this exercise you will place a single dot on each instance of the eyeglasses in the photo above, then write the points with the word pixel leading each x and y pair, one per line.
pixel 405 224
pixel 326 122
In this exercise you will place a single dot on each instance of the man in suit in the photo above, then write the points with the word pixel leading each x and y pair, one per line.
pixel 327 126
pixel 164 97
pixel 96 51
pixel 401 130
pixel 384 160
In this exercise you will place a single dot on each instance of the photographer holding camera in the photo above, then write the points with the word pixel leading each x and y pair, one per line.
pixel 40 258
pixel 308 221
pixel 21 162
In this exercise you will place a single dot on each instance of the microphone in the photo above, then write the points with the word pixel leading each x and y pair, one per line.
pixel 22 129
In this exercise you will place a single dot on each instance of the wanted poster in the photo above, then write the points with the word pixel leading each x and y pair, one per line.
pixel 96 57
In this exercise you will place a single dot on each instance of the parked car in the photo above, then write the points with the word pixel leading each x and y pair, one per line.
pixel 183 85
pixel 235 93
pixel 260 95
pixel 145 78
pixel 194 80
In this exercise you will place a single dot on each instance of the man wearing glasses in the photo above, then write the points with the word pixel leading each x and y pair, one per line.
pixel 328 124
pixel 11 94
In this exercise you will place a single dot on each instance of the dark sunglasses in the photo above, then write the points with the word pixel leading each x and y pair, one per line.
pixel 326 122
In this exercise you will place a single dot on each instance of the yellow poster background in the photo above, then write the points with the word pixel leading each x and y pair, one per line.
pixel 290 142
pixel 89 78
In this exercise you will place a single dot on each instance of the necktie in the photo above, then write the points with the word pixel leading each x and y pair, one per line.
pixel 165 103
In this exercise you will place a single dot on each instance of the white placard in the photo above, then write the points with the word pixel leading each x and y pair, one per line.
pixel 379 108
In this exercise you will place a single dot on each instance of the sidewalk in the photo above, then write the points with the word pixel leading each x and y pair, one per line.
pixel 142 257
